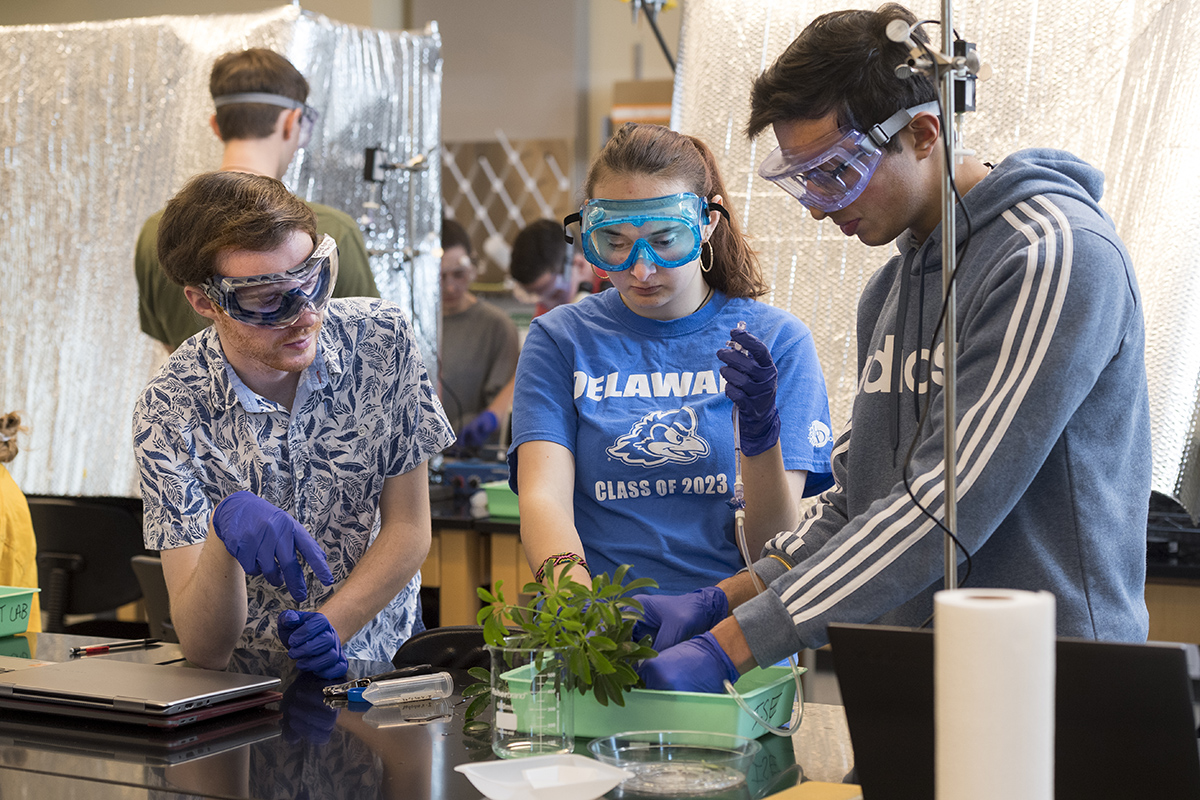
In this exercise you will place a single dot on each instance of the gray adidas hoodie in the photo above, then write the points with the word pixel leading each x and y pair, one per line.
pixel 1053 427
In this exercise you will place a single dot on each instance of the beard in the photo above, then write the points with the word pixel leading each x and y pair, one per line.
pixel 272 348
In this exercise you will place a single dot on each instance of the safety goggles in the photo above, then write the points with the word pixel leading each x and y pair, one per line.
pixel 666 231
pixel 277 300
pixel 833 171
pixel 308 118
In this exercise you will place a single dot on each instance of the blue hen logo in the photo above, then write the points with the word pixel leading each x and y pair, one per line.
pixel 661 437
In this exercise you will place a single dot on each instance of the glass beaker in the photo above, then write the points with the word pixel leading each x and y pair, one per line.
pixel 533 705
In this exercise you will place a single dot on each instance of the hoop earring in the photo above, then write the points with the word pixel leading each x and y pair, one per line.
pixel 710 257
pixel 601 274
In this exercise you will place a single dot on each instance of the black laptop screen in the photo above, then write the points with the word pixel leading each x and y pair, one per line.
pixel 1124 720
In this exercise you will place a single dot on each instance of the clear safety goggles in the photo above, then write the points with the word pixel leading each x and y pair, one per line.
pixel 308 118
pixel 831 173
pixel 666 231
pixel 277 299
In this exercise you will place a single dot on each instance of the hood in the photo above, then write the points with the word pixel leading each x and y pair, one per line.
pixel 1017 178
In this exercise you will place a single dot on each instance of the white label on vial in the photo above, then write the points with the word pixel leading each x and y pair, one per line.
pixel 505 721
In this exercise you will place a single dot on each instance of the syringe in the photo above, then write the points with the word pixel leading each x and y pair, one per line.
pixel 738 503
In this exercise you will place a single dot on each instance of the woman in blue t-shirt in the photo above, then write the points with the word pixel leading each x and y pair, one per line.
pixel 623 444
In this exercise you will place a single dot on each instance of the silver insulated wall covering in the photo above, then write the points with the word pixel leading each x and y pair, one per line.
pixel 100 123
pixel 1113 82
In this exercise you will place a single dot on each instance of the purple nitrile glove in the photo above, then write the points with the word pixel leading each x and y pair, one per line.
pixel 672 619
pixel 750 382
pixel 477 431
pixel 265 539
pixel 697 665
pixel 312 643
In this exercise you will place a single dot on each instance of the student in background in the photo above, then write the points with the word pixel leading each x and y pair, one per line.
pixel 479 348
pixel 546 267
pixel 262 120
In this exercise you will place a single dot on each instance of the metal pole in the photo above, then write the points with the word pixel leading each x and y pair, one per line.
pixel 949 343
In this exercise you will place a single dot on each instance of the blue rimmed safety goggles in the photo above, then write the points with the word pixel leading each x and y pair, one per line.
pixel 308 118
pixel 666 231
pixel 277 299
pixel 831 173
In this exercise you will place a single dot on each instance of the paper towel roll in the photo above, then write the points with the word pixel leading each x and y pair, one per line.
pixel 994 694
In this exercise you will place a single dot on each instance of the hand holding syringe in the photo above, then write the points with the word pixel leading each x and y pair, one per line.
pixel 750 383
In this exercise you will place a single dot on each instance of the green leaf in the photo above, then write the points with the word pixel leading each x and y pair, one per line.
pixel 600 690
pixel 641 583
pixel 476 689
pixel 610 591
pixel 601 664
pixel 578 663
pixel 476 707
pixel 493 631
pixel 626 675
pixel 480 674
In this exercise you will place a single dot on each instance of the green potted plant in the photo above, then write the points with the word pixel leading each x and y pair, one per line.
pixel 593 623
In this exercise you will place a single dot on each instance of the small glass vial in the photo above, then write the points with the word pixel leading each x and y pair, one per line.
pixel 407 690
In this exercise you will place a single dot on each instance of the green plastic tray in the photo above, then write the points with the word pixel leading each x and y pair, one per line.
pixel 15 603
pixel 770 692
pixel 502 502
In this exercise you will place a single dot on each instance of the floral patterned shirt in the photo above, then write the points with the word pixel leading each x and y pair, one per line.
pixel 364 411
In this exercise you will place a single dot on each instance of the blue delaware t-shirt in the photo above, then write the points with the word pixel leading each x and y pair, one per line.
pixel 641 405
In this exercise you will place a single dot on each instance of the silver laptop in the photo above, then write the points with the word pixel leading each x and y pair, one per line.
pixel 129 686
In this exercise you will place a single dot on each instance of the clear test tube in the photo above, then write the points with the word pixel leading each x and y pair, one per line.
pixel 407 690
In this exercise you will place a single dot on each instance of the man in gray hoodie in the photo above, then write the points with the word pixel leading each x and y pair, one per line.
pixel 1053 472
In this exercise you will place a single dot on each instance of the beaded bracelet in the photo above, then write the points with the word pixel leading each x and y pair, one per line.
pixel 557 559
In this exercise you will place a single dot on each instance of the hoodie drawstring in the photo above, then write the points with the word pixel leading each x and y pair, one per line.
pixel 898 352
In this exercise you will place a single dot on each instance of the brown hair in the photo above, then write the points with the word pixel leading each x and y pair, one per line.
pixel 638 149
pixel 842 62
pixel 221 211
pixel 253 70
pixel 539 248
pixel 455 235
pixel 10 425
